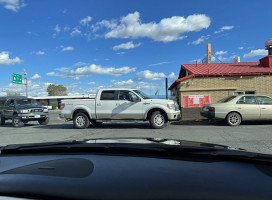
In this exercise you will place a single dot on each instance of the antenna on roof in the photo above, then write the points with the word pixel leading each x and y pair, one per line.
pixel 217 58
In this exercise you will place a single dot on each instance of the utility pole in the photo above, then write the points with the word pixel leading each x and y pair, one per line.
pixel 166 87
pixel 25 77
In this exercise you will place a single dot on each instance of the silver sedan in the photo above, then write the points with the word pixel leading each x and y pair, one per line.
pixel 235 109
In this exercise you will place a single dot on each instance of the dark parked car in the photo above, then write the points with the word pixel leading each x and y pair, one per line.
pixel 22 110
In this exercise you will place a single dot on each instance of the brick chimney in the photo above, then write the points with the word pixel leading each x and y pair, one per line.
pixel 267 61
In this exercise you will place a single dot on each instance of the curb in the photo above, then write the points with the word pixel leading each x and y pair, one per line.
pixel 193 120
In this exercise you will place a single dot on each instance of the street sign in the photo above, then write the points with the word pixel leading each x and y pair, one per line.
pixel 17 78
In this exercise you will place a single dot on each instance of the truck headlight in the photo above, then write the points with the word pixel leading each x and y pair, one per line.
pixel 25 111
pixel 171 106
pixel 45 110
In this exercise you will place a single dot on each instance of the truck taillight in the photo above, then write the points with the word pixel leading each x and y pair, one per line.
pixel 62 106
pixel 211 108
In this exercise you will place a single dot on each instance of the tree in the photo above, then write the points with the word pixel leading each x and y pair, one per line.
pixel 15 94
pixel 56 90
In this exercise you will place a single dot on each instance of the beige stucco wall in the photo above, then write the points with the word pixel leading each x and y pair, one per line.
pixel 221 87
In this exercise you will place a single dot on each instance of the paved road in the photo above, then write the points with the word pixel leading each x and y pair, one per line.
pixel 255 137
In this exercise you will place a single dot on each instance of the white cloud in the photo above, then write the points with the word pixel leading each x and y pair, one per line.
pixel 148 75
pixel 200 40
pixel 129 83
pixel 85 20
pixel 172 76
pixel 90 70
pixel 5 60
pixel 14 5
pixel 160 63
pixel 134 85
pixel 121 53
pixel 75 32
pixel 40 53
pixel 80 64
pixel 257 52
pixel 68 48
pixel 167 30
pixel 36 76
pixel 66 28
pixel 224 28
pixel 98 69
pixel 57 28
pixel 221 52
pixel 240 48
pixel 128 45
pixel 92 83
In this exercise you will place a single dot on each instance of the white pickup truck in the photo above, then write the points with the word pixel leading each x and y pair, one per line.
pixel 119 104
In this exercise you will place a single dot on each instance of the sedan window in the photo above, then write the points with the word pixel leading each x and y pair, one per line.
pixel 247 100
pixel 264 100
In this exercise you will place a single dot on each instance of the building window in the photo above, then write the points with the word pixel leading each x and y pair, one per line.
pixel 243 92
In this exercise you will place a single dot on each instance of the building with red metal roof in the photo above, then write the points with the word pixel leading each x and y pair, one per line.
pixel 215 81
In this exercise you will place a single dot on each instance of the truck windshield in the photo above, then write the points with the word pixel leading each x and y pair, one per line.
pixel 143 95
pixel 26 102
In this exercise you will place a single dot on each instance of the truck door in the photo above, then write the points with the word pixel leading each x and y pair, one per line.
pixel 127 107
pixel 105 104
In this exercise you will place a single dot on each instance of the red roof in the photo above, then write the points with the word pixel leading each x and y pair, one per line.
pixel 224 69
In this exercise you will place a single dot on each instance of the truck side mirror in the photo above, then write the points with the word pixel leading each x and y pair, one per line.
pixel 136 99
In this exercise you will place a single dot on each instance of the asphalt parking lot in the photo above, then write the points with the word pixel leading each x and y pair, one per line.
pixel 251 136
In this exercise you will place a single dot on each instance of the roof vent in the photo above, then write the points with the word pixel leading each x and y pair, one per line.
pixel 268 46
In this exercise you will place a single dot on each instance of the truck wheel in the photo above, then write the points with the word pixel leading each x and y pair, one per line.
pixel 81 121
pixel 16 121
pixel 233 119
pixel 95 123
pixel 2 120
pixel 43 121
pixel 158 120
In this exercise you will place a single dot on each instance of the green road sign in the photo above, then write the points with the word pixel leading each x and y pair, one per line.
pixel 17 78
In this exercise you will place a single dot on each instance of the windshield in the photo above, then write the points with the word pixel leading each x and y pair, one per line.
pixel 105 69
pixel 26 102
pixel 143 95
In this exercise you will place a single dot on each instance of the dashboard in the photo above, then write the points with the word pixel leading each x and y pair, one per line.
pixel 101 176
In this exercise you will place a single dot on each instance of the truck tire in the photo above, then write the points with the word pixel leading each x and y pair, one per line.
pixel 95 123
pixel 158 120
pixel 81 121
pixel 16 121
pixel 43 121
pixel 233 119
pixel 2 120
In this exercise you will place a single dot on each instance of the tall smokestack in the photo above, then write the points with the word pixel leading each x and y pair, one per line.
pixel 268 46
pixel 209 53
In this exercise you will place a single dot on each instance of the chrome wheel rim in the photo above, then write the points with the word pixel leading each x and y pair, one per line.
pixel 80 121
pixel 159 120
pixel 234 119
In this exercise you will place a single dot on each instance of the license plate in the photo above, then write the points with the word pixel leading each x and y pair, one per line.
pixel 37 116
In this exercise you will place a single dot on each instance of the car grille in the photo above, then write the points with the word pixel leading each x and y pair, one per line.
pixel 36 110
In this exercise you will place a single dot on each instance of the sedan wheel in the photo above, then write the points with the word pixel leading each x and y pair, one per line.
pixel 234 119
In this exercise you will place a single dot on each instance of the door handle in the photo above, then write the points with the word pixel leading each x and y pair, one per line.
pixel 263 108
pixel 239 108
pixel 99 104
pixel 146 103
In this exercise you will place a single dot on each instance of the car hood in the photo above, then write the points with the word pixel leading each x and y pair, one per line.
pixel 29 107
pixel 184 143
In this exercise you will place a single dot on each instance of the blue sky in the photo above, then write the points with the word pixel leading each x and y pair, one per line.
pixel 86 45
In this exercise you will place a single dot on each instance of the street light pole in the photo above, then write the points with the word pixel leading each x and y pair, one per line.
pixel 25 77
